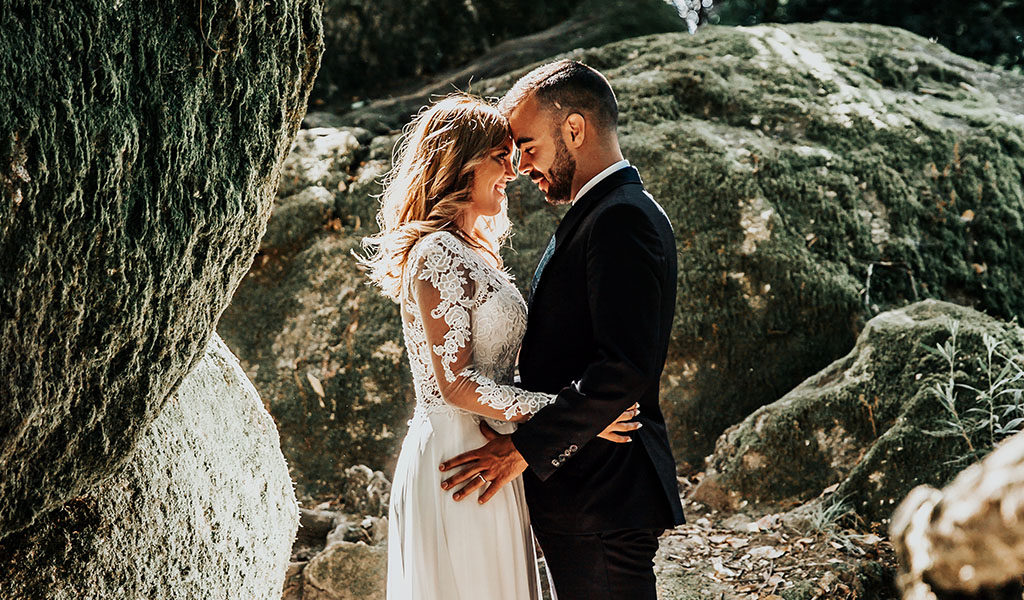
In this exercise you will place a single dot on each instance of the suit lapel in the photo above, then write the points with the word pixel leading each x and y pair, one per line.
pixel 580 209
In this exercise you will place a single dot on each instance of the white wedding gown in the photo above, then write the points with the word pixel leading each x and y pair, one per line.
pixel 463 322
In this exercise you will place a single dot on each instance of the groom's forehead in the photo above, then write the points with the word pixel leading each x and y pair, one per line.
pixel 527 121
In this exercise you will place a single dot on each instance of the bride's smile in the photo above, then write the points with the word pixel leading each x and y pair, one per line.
pixel 489 180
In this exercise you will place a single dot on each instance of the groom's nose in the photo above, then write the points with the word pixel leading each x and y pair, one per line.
pixel 524 164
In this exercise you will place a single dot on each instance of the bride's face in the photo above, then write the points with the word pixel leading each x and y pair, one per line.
pixel 489 180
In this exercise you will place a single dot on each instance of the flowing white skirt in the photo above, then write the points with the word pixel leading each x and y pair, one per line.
pixel 439 549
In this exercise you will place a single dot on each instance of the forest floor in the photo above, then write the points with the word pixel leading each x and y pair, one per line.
pixel 749 557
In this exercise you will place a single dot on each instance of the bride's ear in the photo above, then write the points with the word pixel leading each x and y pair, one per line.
pixel 574 130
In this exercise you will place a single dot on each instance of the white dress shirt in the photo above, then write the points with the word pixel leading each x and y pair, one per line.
pixel 622 164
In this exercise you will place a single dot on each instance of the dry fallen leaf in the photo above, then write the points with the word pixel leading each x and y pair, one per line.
pixel 769 552
pixel 315 383
pixel 716 564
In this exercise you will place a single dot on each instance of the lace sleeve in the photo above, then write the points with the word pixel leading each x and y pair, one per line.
pixel 444 285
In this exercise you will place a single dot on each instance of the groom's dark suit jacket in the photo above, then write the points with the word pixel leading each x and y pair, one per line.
pixel 598 331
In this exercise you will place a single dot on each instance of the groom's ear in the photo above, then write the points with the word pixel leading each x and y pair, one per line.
pixel 574 130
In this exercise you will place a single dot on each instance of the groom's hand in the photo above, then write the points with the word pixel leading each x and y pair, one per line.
pixel 494 464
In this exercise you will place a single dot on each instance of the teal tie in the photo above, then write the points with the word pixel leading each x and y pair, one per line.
pixel 540 266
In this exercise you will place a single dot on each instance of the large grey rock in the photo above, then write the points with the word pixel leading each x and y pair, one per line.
pixel 346 571
pixel 204 508
pixel 816 175
pixel 870 422
pixel 139 155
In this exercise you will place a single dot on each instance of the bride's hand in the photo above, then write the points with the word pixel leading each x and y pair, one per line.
pixel 622 425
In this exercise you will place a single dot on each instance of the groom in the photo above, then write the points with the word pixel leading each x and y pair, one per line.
pixel 600 316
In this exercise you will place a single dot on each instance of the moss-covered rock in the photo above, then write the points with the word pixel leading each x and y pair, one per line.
pixel 873 423
pixel 204 508
pixel 816 175
pixel 140 145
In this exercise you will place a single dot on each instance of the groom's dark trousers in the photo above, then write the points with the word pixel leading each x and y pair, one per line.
pixel 600 318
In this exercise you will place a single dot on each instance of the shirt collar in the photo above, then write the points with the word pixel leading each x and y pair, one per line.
pixel 622 164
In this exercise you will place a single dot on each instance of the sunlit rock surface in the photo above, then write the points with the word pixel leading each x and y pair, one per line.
pixel 816 175
pixel 140 145
pixel 204 508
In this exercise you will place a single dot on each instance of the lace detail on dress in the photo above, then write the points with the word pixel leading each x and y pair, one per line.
pixel 512 401
pixel 474 326
pixel 441 269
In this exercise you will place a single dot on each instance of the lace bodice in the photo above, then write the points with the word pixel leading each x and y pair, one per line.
pixel 463 322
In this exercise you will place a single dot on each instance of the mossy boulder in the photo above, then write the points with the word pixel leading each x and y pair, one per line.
pixel 873 422
pixel 204 507
pixel 140 149
pixel 816 175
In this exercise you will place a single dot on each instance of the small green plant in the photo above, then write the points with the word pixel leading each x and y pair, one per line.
pixel 825 515
pixel 834 519
pixel 980 416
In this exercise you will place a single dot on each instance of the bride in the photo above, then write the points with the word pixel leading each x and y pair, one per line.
pixel 443 218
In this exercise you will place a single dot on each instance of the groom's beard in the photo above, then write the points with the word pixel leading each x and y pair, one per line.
pixel 560 175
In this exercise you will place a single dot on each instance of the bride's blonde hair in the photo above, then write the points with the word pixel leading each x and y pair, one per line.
pixel 429 186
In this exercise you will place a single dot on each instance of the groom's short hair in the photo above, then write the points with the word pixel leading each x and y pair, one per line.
pixel 566 86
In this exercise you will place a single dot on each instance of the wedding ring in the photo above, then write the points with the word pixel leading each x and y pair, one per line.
pixel 480 475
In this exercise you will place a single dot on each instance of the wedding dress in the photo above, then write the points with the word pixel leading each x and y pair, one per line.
pixel 463 322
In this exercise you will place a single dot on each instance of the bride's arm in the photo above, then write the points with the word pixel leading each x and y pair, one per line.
pixel 443 291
